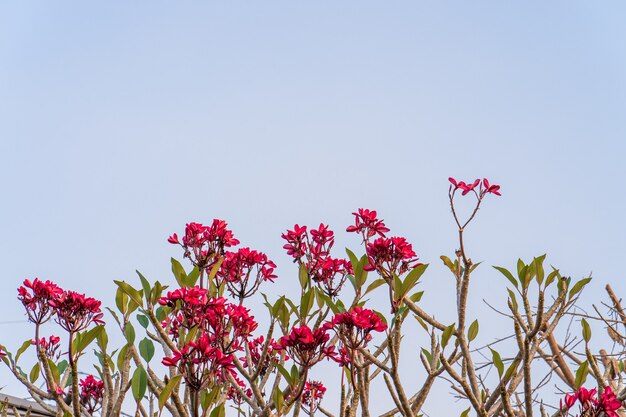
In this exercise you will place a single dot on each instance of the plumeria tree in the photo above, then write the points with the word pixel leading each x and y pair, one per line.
pixel 193 347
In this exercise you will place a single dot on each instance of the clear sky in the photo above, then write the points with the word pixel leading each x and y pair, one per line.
pixel 122 121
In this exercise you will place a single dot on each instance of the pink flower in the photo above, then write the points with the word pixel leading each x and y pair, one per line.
pixel 173 239
pixel 368 224
pixel 305 346
pixel 91 393
pixel 354 326
pixel 75 312
pixel 36 296
pixel 493 189
pixel 609 403
pixel 312 396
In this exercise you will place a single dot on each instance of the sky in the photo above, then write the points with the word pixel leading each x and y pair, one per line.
pixel 122 121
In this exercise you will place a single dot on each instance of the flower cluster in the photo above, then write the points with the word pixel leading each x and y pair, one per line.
pixel 91 393
pixel 244 270
pixel 257 360
pixel 354 327
pixel 391 256
pixel 36 297
pixel 307 347
pixel 313 251
pixel 483 187
pixel 312 396
pixel 388 256
pixel 591 406
pixel 202 243
pixel 50 347
pixel 74 312
pixel 226 323
pixel 201 363
pixel 368 224
pixel 235 395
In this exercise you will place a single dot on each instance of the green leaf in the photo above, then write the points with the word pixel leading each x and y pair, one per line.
pixel 466 412
pixel 285 373
pixel 377 283
pixel 144 284
pixel 511 369
pixel 88 337
pixel 216 268
pixel 428 356
pixel 552 276
pixel 54 370
pixel 146 349
pixel 167 390
pixel 508 275
pixel 538 261
pixel 192 277
pixel 497 361
pixel 586 330
pixel 179 273
pixel 22 349
pixel 121 300
pixel 472 332
pixel 121 356
pixel 353 259
pixel 513 299
pixel 143 320
pixel 445 337
pixel 129 332
pixel 278 398
pixel 139 383
pixel 578 287
pixel 303 275
pixel 34 373
pixel 412 277
pixel 581 374
pixel 132 293
pixel 306 303
pixel 447 262
pixel 218 411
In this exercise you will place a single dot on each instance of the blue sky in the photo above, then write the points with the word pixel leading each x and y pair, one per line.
pixel 120 122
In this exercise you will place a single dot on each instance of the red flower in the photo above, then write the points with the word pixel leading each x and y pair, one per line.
pixel 202 243
pixel 493 189
pixel 354 327
pixel 173 239
pixel 76 312
pixel 609 403
pixel 368 224
pixel 390 256
pixel 50 346
pixel 244 270
pixel 296 241
pixel 36 297
pixel 305 346
pixel 312 396
pixel 91 393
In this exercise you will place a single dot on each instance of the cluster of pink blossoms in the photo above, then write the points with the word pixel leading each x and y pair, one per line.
pixel 91 393
pixel 305 346
pixel 201 243
pixel 483 187
pixel 388 256
pixel 590 406
pixel 224 329
pixel 313 251
pixel 74 312
pixel 50 346
pixel 354 327
pixel 242 271
pixel 312 396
